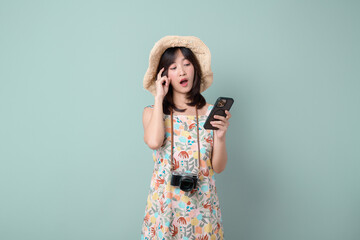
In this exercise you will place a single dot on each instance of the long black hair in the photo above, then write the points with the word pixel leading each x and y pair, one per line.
pixel 194 96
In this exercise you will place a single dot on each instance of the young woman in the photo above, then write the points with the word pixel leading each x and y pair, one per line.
pixel 179 69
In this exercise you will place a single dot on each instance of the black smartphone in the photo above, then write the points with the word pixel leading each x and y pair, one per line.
pixel 221 104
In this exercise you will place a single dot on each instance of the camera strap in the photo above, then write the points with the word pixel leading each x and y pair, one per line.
pixel 172 139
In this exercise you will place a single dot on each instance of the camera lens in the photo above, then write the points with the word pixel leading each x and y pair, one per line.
pixel 187 184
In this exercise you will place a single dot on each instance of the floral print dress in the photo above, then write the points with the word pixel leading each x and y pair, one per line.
pixel 171 213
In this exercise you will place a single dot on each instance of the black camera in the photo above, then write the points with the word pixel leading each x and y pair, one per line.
pixel 186 181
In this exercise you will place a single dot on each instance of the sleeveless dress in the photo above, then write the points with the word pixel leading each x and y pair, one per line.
pixel 170 212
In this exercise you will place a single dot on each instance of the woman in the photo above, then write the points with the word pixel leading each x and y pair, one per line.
pixel 179 69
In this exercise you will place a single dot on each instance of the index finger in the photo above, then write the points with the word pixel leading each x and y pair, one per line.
pixel 228 113
pixel 160 72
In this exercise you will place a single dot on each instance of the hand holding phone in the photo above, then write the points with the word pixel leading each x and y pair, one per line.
pixel 221 104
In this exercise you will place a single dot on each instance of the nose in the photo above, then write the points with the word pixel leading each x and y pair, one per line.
pixel 182 71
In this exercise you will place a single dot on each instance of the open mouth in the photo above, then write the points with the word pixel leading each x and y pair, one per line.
pixel 184 83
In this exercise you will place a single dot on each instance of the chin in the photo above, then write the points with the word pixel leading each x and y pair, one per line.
pixel 182 90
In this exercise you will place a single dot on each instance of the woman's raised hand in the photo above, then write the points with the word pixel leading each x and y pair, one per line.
pixel 162 84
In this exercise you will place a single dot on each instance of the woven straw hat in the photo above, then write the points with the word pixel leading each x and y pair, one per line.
pixel 200 50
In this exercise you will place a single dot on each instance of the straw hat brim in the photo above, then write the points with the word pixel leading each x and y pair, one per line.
pixel 199 48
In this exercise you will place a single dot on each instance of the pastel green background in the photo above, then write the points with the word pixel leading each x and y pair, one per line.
pixel 74 165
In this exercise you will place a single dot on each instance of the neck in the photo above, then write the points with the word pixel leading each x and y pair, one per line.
pixel 180 100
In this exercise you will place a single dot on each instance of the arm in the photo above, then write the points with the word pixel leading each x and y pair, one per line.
pixel 219 153
pixel 153 123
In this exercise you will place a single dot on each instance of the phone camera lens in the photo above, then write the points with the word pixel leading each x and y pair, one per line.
pixel 221 103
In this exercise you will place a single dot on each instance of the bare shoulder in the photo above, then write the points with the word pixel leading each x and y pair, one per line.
pixel 147 110
pixel 205 108
pixel 208 105
pixel 147 114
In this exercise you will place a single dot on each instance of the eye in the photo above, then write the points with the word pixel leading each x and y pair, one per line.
pixel 173 68
pixel 187 63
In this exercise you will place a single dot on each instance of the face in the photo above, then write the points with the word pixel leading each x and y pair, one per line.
pixel 181 74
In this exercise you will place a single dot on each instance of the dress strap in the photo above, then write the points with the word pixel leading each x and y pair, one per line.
pixel 149 106
pixel 198 141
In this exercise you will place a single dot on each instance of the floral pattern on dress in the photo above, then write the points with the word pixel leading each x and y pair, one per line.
pixel 171 213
